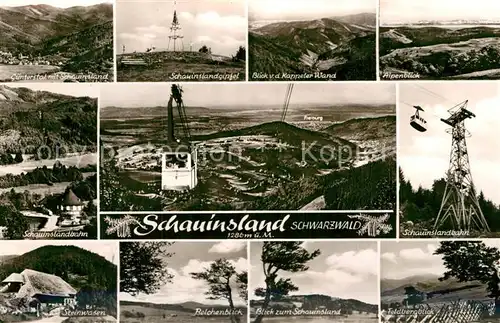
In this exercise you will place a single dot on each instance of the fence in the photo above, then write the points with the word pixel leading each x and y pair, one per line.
pixel 461 311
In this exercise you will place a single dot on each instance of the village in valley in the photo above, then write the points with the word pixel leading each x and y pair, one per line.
pixel 8 58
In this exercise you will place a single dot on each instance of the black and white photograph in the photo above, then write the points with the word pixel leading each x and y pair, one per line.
pixel 312 40
pixel 58 282
pixel 440 281
pixel 48 161
pixel 448 159
pixel 271 146
pixel 181 40
pixel 56 41
pixel 314 282
pixel 444 39
pixel 183 282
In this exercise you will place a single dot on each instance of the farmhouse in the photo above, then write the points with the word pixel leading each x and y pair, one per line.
pixel 43 289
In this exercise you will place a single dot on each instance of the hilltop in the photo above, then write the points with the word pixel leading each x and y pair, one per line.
pixel 342 45
pixel 365 128
pixel 67 120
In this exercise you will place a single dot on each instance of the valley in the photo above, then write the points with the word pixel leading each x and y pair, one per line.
pixel 336 48
pixel 440 51
pixel 41 42
pixel 247 162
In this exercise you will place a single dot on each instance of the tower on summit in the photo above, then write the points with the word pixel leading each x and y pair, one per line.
pixel 175 36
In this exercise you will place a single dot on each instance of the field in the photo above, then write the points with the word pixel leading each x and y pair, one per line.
pixel 434 52
pixel 171 313
pixel 9 72
pixel 244 160
pixel 29 164
pixel 190 66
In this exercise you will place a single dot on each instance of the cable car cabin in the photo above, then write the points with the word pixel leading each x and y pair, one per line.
pixel 179 170
pixel 418 123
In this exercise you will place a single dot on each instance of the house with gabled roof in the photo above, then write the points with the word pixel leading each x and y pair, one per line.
pixel 45 288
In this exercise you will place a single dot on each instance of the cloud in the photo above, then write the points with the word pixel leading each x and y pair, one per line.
pixel 355 262
pixel 228 246
pixel 389 256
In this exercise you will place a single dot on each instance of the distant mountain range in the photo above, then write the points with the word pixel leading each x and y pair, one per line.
pixel 444 22
pixel 82 34
pixel 189 307
pixel 343 45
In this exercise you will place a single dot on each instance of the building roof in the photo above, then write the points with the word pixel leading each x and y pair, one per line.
pixel 38 283
pixel 14 278
pixel 70 199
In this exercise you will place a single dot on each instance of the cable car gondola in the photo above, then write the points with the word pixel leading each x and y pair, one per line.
pixel 417 122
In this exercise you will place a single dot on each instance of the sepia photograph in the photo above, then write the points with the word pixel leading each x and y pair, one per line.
pixel 440 281
pixel 314 282
pixel 444 39
pixel 58 282
pixel 181 40
pixel 56 41
pixel 312 40
pixel 48 161
pixel 183 282
pixel 247 147
pixel 448 156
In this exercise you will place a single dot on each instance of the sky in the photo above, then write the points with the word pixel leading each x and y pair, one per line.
pixel 194 257
pixel 239 94
pixel 310 9
pixel 108 250
pixel 344 269
pixel 54 3
pixel 410 11
pixel 220 25
pixel 424 157
pixel 404 259
pixel 72 89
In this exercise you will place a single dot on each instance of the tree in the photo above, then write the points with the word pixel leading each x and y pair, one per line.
pixel 14 221
pixel 413 296
pixel 281 256
pixel 19 158
pixel 219 276
pixel 241 54
pixel 204 49
pixel 143 268
pixel 472 261
pixel 242 281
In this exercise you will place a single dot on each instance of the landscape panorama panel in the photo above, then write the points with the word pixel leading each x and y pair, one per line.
pixel 440 281
pixel 443 39
pixel 58 281
pixel 287 282
pixel 184 282
pixel 184 41
pixel 56 41
pixel 215 147
pixel 48 161
pixel 448 159
pixel 312 40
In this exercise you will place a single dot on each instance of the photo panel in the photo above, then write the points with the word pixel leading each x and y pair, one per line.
pixel 314 281
pixel 235 152
pixel 181 40
pixel 56 41
pixel 48 161
pixel 184 281
pixel 58 281
pixel 312 40
pixel 448 159
pixel 440 281
pixel 433 40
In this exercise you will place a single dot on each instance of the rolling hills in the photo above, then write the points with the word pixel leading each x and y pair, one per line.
pixel 67 120
pixel 81 37
pixel 344 46
pixel 440 52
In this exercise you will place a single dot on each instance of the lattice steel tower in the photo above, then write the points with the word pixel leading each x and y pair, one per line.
pixel 175 35
pixel 460 205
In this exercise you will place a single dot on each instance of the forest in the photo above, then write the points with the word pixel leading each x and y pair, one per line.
pixel 421 206
pixel 90 274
